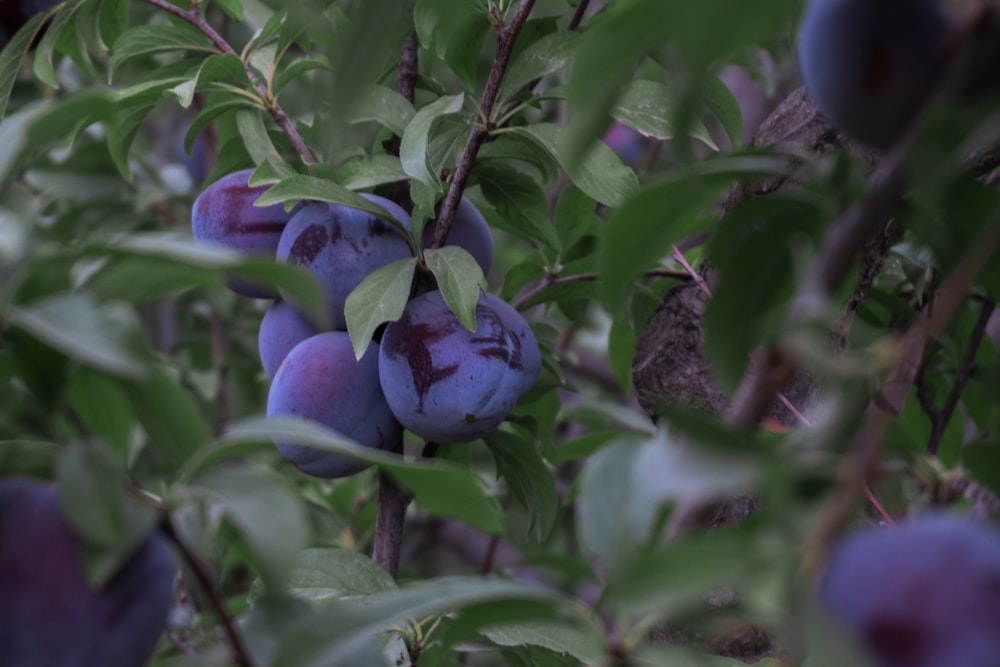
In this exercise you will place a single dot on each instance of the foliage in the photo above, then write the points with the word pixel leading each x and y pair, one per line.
pixel 132 372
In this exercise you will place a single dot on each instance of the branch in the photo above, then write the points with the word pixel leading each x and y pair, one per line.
pixel 391 517
pixel 277 113
pixel 241 655
pixel 505 45
pixel 552 281
pixel 964 373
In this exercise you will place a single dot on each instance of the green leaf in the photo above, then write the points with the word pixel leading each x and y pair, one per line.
pixel 647 107
pixel 44 54
pixel 370 171
pixel 266 511
pixel 545 56
pixel 982 460
pixel 600 172
pixel 519 200
pixel 318 189
pixel 460 279
pixel 528 478
pixel 12 55
pixel 251 127
pixel 382 105
pixel 334 635
pixel 643 230
pixel 148 39
pixel 581 638
pixel 438 486
pixel 454 31
pixel 381 297
pixel 169 414
pixel 413 148
pixel 225 67
pixel 104 337
pixel 103 404
pixel 321 575
pixel 93 497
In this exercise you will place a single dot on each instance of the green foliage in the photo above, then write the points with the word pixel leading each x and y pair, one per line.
pixel 132 379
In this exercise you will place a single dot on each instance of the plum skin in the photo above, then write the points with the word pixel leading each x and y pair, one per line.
pixel 448 384
pixel 51 616
pixel 922 594
pixel 469 230
pixel 321 381
pixel 281 329
pixel 343 245
pixel 870 65
pixel 224 215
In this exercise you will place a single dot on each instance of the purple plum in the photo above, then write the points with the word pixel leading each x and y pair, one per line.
pixel 343 245
pixel 321 381
pixel 448 384
pixel 281 329
pixel 224 215
pixel 922 594
pixel 50 615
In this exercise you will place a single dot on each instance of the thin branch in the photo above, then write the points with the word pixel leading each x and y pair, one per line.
pixel 505 45
pixel 964 374
pixel 391 517
pixel 241 655
pixel 581 11
pixel 277 113
pixel 552 281
pixel 406 78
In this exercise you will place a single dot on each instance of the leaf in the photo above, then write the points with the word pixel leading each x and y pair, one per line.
pixel 600 172
pixel 529 480
pixel 370 171
pixel 12 55
pixel 251 127
pixel 546 56
pixel 581 638
pixel 266 511
pixel 454 31
pixel 332 636
pixel 169 414
pixel 225 67
pixel 519 200
pixel 381 297
pixel 647 107
pixel 441 487
pixel 460 279
pixel 383 105
pixel 413 148
pixel 73 323
pixel 45 52
pixel 321 575
pixel 148 39
pixel 318 189
pixel 103 404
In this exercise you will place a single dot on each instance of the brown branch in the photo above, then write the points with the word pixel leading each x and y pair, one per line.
pixel 406 78
pixel 391 517
pixel 277 113
pixel 964 374
pixel 241 655
pixel 581 11
pixel 506 36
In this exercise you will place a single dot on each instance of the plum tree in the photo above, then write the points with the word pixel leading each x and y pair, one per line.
pixel 51 616
pixel 448 384
pixel 224 215
pixel 321 381
pixel 469 230
pixel 343 245
pixel 925 594
pixel 871 66
pixel 281 329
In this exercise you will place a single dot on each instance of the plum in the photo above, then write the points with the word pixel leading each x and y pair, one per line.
pixel 343 245
pixel 923 594
pixel 224 215
pixel 50 615
pixel 629 143
pixel 871 65
pixel 281 329
pixel 321 381
pixel 469 230
pixel 448 384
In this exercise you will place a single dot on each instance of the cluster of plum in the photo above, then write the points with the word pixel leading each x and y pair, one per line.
pixel 923 594
pixel 50 614
pixel 428 373
pixel 872 66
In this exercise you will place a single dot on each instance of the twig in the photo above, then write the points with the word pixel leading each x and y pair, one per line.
pixel 581 11
pixel 552 281
pixel 406 78
pixel 878 506
pixel 241 655
pixel 277 113
pixel 964 374
pixel 391 517
pixel 505 45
